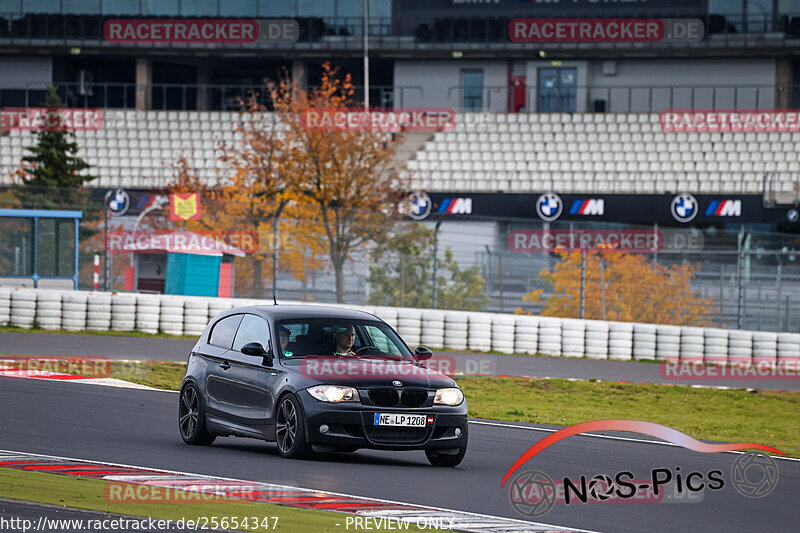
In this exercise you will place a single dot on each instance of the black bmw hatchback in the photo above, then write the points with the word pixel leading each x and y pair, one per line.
pixel 317 378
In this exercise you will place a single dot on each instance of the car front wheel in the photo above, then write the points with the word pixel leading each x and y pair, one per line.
pixel 290 433
pixel 440 459
pixel 192 418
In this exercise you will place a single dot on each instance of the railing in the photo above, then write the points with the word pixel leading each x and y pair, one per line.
pixel 616 99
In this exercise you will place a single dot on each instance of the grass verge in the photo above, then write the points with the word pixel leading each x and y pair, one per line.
pixel 760 416
pixel 87 493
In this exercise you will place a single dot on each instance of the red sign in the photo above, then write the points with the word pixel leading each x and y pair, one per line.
pixel 184 206
pixel 586 30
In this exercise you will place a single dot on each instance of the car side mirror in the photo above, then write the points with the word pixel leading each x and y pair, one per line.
pixel 254 349
pixel 422 353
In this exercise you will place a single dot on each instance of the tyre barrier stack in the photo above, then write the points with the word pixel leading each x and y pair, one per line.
pixel 432 328
pixel 668 343
pixel 550 336
pixel 503 329
pixel 479 334
pixel 456 325
pixel 98 311
pixel 597 339
pixel 692 345
pixel 195 315
pixel 620 341
pixel 765 348
pixel 148 313
pixel 123 311
pixel 48 310
pixel 5 306
pixel 74 310
pixel 526 335
pixel 644 342
pixel 409 325
pixel 454 330
pixel 23 308
pixel 789 351
pixel 740 347
pixel 716 346
pixel 171 321
pixel 573 337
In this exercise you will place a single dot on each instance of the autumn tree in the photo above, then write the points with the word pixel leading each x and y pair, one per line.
pixel 342 181
pixel 635 289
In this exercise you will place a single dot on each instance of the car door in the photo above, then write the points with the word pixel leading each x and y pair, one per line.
pixel 249 388
pixel 213 355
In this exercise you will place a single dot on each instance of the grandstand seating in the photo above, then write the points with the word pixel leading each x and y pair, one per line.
pixel 521 152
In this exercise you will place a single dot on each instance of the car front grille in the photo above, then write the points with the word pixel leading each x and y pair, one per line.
pixel 414 398
pixel 384 397
pixel 395 435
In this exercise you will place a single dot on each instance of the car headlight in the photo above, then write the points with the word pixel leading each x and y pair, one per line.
pixel 334 393
pixel 451 396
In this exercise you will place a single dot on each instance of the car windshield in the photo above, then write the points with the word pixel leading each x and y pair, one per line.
pixel 303 337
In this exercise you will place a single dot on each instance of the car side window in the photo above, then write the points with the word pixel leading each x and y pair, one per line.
pixel 224 330
pixel 252 329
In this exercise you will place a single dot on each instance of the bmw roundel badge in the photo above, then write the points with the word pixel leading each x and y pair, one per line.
pixel 397 383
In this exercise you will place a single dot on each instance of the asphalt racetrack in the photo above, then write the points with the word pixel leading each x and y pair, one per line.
pixel 153 349
pixel 138 427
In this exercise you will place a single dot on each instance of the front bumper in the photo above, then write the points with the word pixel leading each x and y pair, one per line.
pixel 351 426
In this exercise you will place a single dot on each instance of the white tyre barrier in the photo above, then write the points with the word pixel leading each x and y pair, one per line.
pixel 740 348
pixel 5 306
pixel 716 346
pixel 171 321
pixel 23 308
pixel 409 326
pixel 98 311
pixel 432 328
pixel 526 334
pixel 218 305
pixel 668 343
pixel 48 310
pixel 644 342
pixel 123 311
pixel 479 335
pixel 789 351
pixel 597 339
pixel 550 336
pixel 195 315
pixel 620 341
pixel 456 325
pixel 692 344
pixel 503 330
pixel 73 310
pixel 573 337
pixel 388 315
pixel 148 313
pixel 765 349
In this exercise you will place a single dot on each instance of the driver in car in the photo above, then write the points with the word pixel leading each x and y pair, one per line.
pixel 343 339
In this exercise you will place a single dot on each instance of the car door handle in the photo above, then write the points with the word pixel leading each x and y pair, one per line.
pixel 224 365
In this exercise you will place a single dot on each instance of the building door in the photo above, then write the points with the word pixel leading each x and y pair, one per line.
pixel 557 90
pixel 472 82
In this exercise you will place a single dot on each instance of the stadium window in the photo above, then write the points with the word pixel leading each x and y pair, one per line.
pixel 80 7
pixel 120 7
pixel 316 8
pixel 557 90
pixel 277 8
pixel 237 8
pixel 350 8
pixel 10 6
pixel 38 6
pixel 472 82
pixel 160 7
pixel 199 8
pixel 380 8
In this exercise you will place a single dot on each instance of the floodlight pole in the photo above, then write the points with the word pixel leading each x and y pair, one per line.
pixel 366 56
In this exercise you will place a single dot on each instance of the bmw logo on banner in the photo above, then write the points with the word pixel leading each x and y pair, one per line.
pixel 684 208
pixel 549 206
pixel 419 205
pixel 118 201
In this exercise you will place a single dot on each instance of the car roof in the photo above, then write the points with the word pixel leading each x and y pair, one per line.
pixel 281 312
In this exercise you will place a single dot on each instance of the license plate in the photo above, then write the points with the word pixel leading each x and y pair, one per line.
pixel 394 419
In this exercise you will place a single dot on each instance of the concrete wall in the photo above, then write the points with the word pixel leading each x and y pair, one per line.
pixel 440 82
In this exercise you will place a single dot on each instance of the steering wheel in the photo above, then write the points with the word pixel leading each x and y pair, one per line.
pixel 357 352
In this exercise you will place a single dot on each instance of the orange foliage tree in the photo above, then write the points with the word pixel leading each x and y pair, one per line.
pixel 635 290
